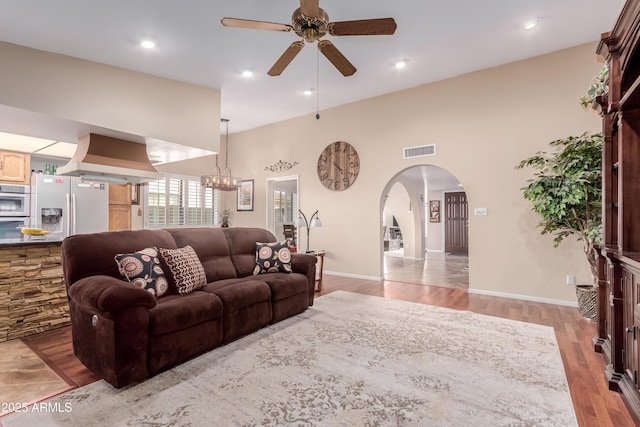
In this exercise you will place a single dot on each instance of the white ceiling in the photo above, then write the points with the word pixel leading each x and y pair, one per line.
pixel 438 39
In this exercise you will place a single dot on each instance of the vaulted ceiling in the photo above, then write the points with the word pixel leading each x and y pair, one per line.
pixel 436 39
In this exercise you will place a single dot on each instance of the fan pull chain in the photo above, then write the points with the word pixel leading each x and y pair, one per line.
pixel 318 83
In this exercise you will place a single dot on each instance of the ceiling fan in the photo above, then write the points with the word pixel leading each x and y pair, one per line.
pixel 311 23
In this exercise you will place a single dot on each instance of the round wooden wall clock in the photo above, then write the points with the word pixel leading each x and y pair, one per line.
pixel 338 166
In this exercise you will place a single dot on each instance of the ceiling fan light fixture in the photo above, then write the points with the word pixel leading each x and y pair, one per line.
pixel 530 25
pixel 247 73
pixel 311 23
pixel 399 65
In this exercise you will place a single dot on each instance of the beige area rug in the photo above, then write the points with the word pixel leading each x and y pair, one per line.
pixel 24 378
pixel 350 360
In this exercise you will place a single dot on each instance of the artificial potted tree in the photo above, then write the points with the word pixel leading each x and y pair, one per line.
pixel 567 195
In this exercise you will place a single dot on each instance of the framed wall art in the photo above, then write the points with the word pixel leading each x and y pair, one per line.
pixel 434 211
pixel 245 195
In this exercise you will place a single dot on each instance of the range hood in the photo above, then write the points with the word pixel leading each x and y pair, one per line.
pixel 107 159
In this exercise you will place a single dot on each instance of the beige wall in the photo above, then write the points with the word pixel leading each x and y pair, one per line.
pixel 483 123
pixel 109 97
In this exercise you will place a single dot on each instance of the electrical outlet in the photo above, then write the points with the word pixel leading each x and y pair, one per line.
pixel 571 280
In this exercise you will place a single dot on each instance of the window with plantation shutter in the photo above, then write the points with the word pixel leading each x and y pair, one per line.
pixel 285 204
pixel 156 204
pixel 211 210
pixel 193 214
pixel 176 202
pixel 180 201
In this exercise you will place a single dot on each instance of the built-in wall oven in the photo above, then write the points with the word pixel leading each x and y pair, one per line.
pixel 14 210
pixel 10 227
pixel 14 200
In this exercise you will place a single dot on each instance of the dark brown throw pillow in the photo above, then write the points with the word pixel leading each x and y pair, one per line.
pixel 185 268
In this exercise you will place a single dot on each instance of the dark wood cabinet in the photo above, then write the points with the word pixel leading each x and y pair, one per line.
pixel 629 352
pixel 619 265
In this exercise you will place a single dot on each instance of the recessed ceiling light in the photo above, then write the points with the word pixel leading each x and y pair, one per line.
pixel 308 92
pixel 530 25
pixel 148 44
pixel 400 65
pixel 247 73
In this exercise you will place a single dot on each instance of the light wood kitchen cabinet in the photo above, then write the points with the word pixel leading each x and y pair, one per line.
pixel 119 207
pixel 15 167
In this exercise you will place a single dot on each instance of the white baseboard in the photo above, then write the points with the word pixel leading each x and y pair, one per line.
pixel 471 291
pixel 435 250
pixel 353 276
pixel 524 297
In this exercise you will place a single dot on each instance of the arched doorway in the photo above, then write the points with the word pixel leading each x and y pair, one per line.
pixel 424 228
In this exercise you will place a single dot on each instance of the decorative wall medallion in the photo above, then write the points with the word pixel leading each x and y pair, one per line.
pixel 338 166
pixel 280 166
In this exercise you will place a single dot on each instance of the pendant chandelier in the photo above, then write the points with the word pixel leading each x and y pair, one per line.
pixel 222 180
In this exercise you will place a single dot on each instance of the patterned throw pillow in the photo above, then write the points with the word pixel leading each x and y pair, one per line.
pixel 272 258
pixel 143 269
pixel 186 269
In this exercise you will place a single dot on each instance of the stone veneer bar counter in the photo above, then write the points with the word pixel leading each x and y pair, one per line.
pixel 32 294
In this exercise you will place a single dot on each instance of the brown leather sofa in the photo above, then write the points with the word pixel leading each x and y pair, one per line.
pixel 124 334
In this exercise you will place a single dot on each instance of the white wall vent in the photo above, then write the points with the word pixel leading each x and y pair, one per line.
pixel 420 151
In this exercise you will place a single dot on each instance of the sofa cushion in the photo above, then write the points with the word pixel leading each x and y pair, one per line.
pixel 143 269
pixel 211 246
pixel 242 245
pixel 247 306
pixel 184 268
pixel 178 312
pixel 272 258
pixel 236 296
pixel 285 285
pixel 85 255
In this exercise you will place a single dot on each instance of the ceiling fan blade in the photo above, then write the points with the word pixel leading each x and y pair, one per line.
pixel 255 25
pixel 310 8
pixel 336 58
pixel 363 27
pixel 286 58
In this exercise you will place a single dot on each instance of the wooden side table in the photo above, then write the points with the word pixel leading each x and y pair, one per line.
pixel 319 267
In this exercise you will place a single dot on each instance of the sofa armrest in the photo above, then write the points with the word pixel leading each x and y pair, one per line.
pixel 106 293
pixel 303 263
pixel 306 264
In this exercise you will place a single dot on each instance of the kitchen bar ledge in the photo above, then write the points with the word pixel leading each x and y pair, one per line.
pixel 27 241
pixel 33 298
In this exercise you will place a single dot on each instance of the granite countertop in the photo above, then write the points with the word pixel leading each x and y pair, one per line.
pixel 27 241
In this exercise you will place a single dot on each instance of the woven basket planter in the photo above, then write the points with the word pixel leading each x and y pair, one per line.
pixel 587 301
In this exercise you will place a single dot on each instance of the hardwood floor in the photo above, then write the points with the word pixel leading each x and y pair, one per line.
pixel 55 349
pixel 595 405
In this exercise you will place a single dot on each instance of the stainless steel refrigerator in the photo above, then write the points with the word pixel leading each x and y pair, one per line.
pixel 65 205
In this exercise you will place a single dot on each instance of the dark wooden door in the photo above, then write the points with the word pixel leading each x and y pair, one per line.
pixel 456 220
